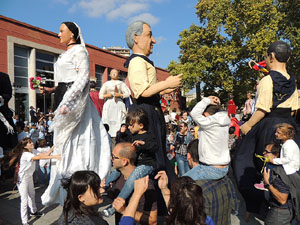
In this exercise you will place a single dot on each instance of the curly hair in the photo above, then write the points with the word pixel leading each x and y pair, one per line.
pixel 287 129
pixel 183 209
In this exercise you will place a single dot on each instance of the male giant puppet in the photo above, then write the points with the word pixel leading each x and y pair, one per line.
pixel 8 138
pixel 276 102
pixel 145 87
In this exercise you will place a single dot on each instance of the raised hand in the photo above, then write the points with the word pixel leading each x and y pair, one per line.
pixel 138 142
pixel 141 185
pixel 119 205
pixel 162 180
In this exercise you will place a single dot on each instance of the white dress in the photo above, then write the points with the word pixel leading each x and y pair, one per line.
pixel 114 112
pixel 79 135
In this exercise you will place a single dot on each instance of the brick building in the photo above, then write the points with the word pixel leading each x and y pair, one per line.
pixel 28 51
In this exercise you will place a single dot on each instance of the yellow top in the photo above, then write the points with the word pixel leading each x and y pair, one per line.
pixel 141 75
pixel 265 96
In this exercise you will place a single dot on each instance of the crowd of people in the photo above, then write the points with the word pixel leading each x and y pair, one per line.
pixel 169 166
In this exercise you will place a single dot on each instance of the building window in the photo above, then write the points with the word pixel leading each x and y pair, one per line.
pixel 21 66
pixel 22 106
pixel 99 70
pixel 45 67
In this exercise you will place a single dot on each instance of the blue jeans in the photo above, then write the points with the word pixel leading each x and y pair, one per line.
pixel 206 172
pixel 45 171
pixel 182 163
pixel 137 173
pixel 113 176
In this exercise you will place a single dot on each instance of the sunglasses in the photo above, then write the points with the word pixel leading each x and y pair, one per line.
pixel 117 157
pixel 267 152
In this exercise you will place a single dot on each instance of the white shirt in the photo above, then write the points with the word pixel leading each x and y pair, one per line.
pixel 173 115
pixel 213 135
pixel 289 157
pixel 27 165
pixel 43 162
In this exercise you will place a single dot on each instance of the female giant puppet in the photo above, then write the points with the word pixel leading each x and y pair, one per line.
pixel 277 100
pixel 79 135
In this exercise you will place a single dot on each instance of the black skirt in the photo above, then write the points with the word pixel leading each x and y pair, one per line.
pixel 60 92
pixel 246 166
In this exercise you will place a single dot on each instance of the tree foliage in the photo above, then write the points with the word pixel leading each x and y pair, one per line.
pixel 231 32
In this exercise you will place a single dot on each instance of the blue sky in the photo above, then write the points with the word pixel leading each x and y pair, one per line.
pixel 104 22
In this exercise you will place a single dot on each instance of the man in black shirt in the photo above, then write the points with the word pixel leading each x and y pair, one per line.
pixel 123 158
pixel 281 208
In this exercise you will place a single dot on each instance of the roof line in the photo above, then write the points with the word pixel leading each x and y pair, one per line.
pixel 19 23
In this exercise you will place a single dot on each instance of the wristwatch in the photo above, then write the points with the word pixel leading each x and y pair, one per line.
pixel 267 185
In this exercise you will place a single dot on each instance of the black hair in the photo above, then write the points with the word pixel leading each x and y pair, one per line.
pixel 192 148
pixel 74 29
pixel 231 129
pixel 184 124
pixel 20 124
pixel 183 112
pixel 212 109
pixel 77 185
pixel 281 50
pixel 93 84
pixel 139 116
pixel 106 127
pixel 42 143
pixel 183 209
pixel 276 147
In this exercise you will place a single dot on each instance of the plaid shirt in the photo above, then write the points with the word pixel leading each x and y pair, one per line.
pixel 220 199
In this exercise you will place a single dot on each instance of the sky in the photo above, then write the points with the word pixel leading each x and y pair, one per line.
pixel 104 22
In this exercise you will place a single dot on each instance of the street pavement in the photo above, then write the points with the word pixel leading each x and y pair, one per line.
pixel 10 209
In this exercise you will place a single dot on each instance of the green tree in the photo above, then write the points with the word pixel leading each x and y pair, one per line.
pixel 231 32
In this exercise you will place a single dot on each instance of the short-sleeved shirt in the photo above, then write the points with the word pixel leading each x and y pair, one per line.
pixel 282 188
pixel 265 96
pixel 147 203
pixel 141 75
pixel 27 165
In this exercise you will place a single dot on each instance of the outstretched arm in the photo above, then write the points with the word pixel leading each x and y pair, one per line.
pixel 255 118
pixel 170 82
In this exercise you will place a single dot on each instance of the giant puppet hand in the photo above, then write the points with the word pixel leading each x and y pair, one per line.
pixel 255 118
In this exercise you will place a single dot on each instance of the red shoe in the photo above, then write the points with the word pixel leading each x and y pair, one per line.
pixel 261 186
